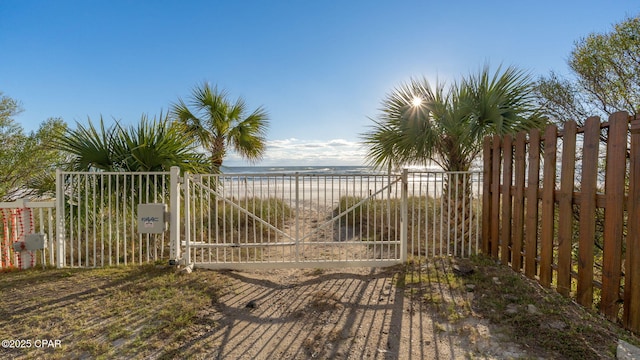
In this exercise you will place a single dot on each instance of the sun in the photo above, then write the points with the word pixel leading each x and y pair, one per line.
pixel 417 101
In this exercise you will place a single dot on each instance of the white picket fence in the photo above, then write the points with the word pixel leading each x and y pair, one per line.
pixel 332 220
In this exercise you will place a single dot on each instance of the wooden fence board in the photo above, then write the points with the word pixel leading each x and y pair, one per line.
pixel 505 237
pixel 587 227
pixel 513 213
pixel 518 201
pixel 486 196
pixel 495 196
pixel 614 213
pixel 631 314
pixel 531 225
pixel 565 207
pixel 548 205
pixel 522 226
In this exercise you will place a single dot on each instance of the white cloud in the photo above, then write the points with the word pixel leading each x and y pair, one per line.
pixel 340 142
pixel 296 152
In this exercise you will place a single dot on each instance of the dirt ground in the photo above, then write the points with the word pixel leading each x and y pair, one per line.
pixel 442 308
pixel 429 310
pixel 347 313
pixel 357 313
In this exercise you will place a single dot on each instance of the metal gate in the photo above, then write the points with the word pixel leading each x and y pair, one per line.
pixel 294 220
pixel 262 220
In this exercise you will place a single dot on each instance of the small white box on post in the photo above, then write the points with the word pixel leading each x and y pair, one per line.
pixel 152 218
pixel 35 242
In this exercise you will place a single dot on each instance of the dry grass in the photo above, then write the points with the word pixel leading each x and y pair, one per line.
pixel 132 311
pixel 524 313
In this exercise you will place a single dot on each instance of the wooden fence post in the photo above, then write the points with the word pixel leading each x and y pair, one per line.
pixel 565 207
pixel 614 213
pixel 631 315
pixel 587 228
pixel 531 226
pixel 548 205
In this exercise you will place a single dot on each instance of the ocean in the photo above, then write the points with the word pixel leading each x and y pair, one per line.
pixel 315 170
pixel 319 170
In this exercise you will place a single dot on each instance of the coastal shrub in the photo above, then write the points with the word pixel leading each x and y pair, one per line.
pixel 379 219
pixel 431 226
pixel 243 218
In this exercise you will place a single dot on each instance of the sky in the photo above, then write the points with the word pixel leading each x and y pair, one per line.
pixel 320 68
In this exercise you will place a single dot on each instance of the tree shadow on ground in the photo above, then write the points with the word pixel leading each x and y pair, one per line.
pixel 337 314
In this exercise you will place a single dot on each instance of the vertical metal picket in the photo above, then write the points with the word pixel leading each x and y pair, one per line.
pixel 174 213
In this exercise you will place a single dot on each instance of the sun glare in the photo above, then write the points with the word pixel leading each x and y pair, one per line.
pixel 417 101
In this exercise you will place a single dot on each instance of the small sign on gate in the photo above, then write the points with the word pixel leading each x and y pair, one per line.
pixel 151 218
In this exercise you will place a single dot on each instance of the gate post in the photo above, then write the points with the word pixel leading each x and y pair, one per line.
pixel 174 213
pixel 404 216
pixel 60 255
pixel 297 177
pixel 187 220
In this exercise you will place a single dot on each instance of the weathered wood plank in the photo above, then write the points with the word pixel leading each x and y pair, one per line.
pixel 518 202
pixel 531 225
pixel 548 205
pixel 631 313
pixel 565 207
pixel 486 196
pixel 614 214
pixel 495 196
pixel 587 227
pixel 507 168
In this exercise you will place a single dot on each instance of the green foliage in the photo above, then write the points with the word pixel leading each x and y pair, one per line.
pixel 563 100
pixel 218 123
pixel 607 75
pixel 353 205
pixel 271 210
pixel 27 162
pixel 419 123
pixel 608 68
pixel 152 145
pixel 382 217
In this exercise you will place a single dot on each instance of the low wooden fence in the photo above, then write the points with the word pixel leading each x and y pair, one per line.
pixel 564 207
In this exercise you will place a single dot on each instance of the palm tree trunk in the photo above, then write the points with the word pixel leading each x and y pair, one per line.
pixel 217 155
pixel 457 199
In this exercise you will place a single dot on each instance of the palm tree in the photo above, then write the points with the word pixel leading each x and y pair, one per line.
pixel 420 124
pixel 217 123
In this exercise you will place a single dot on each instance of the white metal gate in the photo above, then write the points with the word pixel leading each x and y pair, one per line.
pixel 257 220
pixel 294 220
pixel 319 220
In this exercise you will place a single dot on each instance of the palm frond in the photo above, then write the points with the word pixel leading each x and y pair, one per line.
pixel 89 147
pixel 151 145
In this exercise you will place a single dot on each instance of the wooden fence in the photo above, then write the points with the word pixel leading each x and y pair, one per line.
pixel 564 208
